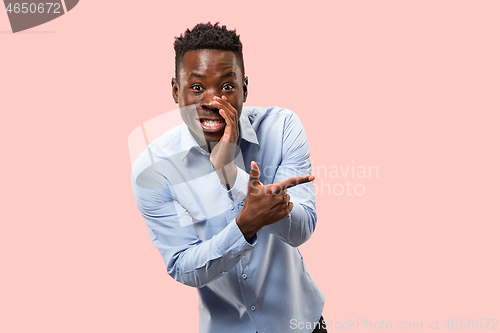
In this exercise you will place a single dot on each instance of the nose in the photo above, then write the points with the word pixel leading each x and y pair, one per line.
pixel 208 99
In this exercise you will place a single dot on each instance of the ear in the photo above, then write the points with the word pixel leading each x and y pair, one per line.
pixel 245 89
pixel 175 90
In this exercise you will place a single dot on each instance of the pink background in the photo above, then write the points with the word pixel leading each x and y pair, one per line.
pixel 409 87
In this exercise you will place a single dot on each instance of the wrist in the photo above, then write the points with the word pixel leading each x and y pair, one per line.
pixel 227 175
pixel 245 228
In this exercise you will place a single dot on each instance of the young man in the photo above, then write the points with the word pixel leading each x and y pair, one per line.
pixel 217 227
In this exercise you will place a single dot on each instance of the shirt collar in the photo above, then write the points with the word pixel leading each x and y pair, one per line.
pixel 247 133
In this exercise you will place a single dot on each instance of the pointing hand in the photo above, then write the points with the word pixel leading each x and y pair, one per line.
pixel 266 204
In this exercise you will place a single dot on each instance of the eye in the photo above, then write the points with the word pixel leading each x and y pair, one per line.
pixel 227 86
pixel 197 87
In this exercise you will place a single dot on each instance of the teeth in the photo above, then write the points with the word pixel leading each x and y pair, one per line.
pixel 211 122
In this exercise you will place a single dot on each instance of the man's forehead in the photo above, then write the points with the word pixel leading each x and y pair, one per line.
pixel 207 61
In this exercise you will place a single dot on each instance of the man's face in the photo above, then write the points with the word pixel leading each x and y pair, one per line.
pixel 202 75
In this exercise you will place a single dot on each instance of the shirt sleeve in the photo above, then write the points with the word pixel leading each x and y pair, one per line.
pixel 189 260
pixel 298 226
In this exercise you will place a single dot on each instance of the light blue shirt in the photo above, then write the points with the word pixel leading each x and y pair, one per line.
pixel 190 215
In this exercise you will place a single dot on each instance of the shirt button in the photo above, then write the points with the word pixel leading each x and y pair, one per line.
pixel 252 308
pixel 244 276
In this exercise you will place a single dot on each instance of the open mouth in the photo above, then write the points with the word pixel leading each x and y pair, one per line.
pixel 212 125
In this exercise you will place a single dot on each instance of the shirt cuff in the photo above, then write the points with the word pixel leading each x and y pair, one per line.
pixel 233 242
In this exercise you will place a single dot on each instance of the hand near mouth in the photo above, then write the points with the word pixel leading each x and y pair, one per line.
pixel 222 156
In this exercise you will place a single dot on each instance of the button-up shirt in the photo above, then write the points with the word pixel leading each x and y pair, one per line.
pixel 244 286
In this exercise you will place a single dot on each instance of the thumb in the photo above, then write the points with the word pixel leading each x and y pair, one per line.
pixel 253 181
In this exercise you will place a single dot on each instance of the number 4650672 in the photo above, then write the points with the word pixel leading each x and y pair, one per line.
pixel 34 8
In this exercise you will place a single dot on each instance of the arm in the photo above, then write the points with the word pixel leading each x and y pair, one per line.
pixel 267 206
pixel 298 226
pixel 189 260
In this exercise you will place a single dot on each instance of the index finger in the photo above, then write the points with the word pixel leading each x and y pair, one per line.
pixel 294 181
pixel 225 104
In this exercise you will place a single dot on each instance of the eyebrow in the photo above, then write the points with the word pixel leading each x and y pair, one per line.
pixel 228 74
pixel 231 73
pixel 196 75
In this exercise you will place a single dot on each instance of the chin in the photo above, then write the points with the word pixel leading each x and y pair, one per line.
pixel 212 137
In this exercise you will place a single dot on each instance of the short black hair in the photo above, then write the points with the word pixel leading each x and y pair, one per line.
pixel 208 36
